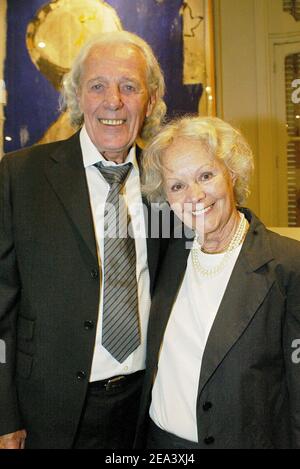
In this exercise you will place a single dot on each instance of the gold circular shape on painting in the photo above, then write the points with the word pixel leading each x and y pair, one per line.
pixel 59 30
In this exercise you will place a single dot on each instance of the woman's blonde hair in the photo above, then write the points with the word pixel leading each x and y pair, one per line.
pixel 218 137
pixel 154 75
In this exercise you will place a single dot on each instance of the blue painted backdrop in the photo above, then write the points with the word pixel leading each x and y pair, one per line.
pixel 32 100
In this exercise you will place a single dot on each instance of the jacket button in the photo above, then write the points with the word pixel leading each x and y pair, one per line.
pixel 209 440
pixel 88 325
pixel 206 406
pixel 94 273
pixel 81 375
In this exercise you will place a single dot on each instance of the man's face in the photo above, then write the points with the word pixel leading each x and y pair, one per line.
pixel 114 99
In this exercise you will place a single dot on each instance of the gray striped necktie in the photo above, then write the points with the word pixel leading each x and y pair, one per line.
pixel 120 329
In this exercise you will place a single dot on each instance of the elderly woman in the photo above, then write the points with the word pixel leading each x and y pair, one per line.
pixel 222 367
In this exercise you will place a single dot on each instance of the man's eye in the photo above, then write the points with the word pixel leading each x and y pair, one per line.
pixel 129 88
pixel 97 87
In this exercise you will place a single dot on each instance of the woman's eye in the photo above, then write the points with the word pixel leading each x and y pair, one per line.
pixel 206 176
pixel 176 187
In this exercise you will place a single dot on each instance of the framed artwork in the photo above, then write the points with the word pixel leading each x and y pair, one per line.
pixel 292 7
pixel 43 38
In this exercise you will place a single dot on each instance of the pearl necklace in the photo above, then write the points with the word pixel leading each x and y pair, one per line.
pixel 234 243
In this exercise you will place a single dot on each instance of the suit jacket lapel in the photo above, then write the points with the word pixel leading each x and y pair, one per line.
pixel 65 171
pixel 155 244
pixel 246 290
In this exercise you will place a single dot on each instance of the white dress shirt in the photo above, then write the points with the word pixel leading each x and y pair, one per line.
pixel 104 365
pixel 175 390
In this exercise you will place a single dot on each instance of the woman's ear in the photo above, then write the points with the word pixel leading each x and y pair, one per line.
pixel 233 178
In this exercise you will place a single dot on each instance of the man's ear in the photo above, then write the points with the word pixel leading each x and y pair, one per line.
pixel 151 104
pixel 78 96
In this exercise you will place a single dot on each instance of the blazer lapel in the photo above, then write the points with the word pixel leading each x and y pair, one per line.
pixel 65 172
pixel 168 285
pixel 246 290
pixel 152 244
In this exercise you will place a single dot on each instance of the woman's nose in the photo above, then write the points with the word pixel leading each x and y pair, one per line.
pixel 196 193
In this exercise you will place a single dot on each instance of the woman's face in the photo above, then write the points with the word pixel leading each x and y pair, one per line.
pixel 199 188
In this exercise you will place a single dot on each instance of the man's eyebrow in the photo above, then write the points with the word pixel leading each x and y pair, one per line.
pixel 122 78
pixel 97 79
pixel 125 78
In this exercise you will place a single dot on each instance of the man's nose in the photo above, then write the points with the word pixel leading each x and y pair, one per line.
pixel 113 99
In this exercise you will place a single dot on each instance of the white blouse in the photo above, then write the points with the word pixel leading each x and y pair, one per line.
pixel 174 394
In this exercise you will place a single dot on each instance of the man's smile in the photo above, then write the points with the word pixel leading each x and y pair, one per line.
pixel 112 122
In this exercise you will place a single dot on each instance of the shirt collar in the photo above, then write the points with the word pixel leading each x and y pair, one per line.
pixel 91 155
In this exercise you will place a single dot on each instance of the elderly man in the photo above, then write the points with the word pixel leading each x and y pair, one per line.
pixel 74 293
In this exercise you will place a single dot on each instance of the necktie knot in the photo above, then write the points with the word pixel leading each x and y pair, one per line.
pixel 114 174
